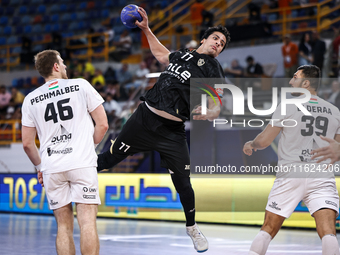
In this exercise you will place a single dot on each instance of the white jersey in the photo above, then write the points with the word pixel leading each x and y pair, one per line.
pixel 59 110
pixel 296 143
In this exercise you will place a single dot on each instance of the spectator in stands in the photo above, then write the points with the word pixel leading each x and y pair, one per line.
pixel 285 4
pixel 113 88
pixel 138 79
pixel 157 16
pixel 255 71
pixel 112 109
pixel 110 34
pixel 235 70
pixel 98 78
pixel 151 62
pixel 5 98
pixel 335 52
pixel 290 55
pixel 123 47
pixel 15 103
pixel 110 75
pixel 305 50
pixel 196 13
pixel 334 97
pixel 318 50
pixel 124 76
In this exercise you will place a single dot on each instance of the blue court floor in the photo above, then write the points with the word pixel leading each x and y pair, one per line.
pixel 34 234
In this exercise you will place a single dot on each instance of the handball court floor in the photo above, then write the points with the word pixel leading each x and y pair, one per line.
pixel 35 234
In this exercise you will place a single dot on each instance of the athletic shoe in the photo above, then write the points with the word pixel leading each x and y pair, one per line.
pixel 198 239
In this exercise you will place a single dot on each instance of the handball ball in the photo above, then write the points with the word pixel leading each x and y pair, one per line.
pixel 129 15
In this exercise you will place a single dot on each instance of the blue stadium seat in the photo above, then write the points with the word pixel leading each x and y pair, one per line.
pixel 105 13
pixel 27 29
pixel 63 8
pixel 38 47
pixel 16 50
pixel 26 19
pixel 56 27
pixel 3 20
pixel 23 9
pixel 65 17
pixel 81 15
pixel 47 28
pixel 108 4
pixel 21 82
pixel 74 16
pixel 2 40
pixel 12 39
pixel 16 20
pixel 7 30
pixel 41 9
pixel 54 8
pixel 82 6
pixel 73 26
pixel 55 18
pixel 15 83
pixel 37 29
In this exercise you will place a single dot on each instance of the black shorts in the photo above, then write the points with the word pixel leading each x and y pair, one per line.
pixel 147 131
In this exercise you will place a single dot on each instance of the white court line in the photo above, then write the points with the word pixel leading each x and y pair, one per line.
pixel 290 251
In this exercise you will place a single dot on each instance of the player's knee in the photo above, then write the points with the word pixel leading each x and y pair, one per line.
pixel 182 184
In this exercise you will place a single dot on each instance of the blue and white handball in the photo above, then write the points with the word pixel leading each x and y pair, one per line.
pixel 129 15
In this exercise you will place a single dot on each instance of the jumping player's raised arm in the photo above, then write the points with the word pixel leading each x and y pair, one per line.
pixel 158 50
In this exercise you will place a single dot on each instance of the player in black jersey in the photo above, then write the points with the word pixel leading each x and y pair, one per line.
pixel 158 123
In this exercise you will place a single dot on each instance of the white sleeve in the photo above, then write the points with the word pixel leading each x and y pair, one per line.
pixel 277 117
pixel 93 99
pixel 26 119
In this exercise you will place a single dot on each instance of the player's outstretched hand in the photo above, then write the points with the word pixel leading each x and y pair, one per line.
pixel 332 151
pixel 248 148
pixel 40 178
pixel 144 24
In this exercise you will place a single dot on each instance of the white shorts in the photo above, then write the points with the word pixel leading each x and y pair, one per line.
pixel 316 193
pixel 77 185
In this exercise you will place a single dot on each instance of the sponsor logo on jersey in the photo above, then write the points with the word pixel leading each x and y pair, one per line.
pixel 89 196
pixel 200 62
pixel 331 203
pixel 64 136
pixel 53 85
pixel 53 203
pixel 86 189
pixel 274 206
pixel 64 151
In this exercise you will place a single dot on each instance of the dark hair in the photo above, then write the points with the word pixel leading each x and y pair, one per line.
pixel 302 39
pixel 249 58
pixel 220 29
pixel 45 60
pixel 311 73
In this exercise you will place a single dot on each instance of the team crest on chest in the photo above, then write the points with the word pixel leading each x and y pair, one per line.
pixel 200 62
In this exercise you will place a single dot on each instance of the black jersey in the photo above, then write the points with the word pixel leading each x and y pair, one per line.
pixel 171 93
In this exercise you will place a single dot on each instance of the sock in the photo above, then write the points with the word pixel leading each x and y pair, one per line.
pixel 260 243
pixel 330 245
pixel 187 197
